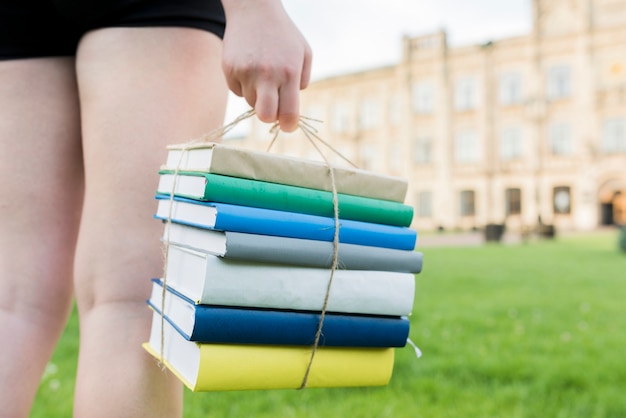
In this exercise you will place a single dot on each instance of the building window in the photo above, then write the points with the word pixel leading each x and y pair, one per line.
pixel 424 204
pixel 510 89
pixel 561 197
pixel 467 203
pixel 560 138
pixel 423 98
pixel 370 114
pixel 466 149
pixel 341 117
pixel 511 144
pixel 614 136
pixel 559 82
pixel 466 94
pixel 423 150
pixel 513 201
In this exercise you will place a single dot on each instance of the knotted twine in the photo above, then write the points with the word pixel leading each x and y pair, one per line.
pixel 311 134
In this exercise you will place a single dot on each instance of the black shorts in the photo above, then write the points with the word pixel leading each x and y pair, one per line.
pixel 45 28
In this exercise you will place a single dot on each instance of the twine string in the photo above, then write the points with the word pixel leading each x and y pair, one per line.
pixel 218 133
pixel 275 130
pixel 213 135
pixel 418 352
pixel 311 132
pixel 306 130
pixel 166 251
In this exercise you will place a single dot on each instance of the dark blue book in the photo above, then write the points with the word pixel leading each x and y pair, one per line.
pixel 234 325
pixel 252 220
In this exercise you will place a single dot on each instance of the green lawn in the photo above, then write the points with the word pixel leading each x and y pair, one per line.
pixel 534 330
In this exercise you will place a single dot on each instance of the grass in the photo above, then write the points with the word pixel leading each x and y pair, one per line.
pixel 534 330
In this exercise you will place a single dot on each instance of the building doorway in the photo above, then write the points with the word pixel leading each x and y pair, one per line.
pixel 606 213
pixel 612 196
pixel 619 208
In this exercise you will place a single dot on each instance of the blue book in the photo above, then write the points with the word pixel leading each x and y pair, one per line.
pixel 234 325
pixel 251 220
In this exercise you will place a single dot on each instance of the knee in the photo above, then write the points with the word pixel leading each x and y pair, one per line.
pixel 116 273
pixel 121 293
pixel 46 302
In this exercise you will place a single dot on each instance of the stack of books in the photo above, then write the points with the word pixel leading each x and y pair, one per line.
pixel 250 246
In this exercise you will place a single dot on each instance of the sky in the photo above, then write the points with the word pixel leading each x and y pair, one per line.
pixel 355 35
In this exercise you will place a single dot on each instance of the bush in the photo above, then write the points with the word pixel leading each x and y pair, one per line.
pixel 622 238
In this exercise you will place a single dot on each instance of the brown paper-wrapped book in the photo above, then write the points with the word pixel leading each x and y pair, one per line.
pixel 222 159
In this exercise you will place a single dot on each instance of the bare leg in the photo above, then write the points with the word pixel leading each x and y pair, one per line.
pixel 41 190
pixel 140 89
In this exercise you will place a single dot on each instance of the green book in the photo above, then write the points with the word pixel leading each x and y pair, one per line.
pixel 260 194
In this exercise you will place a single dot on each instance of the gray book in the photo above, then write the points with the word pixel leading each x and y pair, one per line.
pixel 292 251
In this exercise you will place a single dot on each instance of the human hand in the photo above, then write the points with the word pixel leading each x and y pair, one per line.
pixel 266 59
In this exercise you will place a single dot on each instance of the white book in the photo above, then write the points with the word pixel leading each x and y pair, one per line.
pixel 212 280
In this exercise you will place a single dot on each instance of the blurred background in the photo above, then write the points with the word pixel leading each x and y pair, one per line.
pixel 504 116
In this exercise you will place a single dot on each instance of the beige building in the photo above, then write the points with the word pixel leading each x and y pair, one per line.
pixel 511 131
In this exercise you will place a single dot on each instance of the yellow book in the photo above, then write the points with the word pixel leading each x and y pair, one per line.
pixel 223 367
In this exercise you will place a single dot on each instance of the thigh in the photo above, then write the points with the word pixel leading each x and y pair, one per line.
pixel 47 28
pixel 140 89
pixel 41 179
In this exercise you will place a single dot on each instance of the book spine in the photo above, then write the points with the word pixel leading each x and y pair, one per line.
pixel 244 326
pixel 296 225
pixel 272 168
pixel 287 198
pixel 311 253
pixel 283 367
